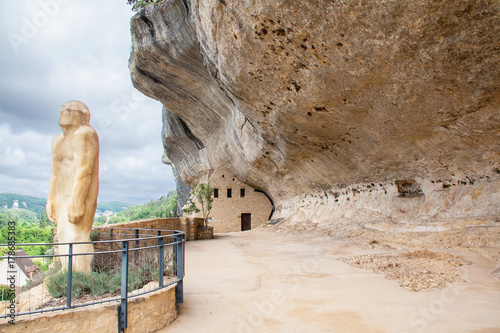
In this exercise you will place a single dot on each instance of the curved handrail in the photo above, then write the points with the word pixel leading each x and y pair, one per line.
pixel 175 239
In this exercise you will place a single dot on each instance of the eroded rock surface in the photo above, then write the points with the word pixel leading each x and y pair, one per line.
pixel 182 188
pixel 353 111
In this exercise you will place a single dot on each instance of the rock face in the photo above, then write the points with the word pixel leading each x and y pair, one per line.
pixel 369 110
pixel 182 188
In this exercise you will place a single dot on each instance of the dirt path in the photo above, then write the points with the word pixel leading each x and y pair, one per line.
pixel 261 281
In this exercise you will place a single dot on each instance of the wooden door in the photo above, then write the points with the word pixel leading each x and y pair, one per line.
pixel 246 222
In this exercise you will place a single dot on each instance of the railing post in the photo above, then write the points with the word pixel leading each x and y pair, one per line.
pixel 111 233
pixel 160 262
pixel 179 259
pixel 122 312
pixel 183 239
pixel 70 274
pixel 136 234
pixel 175 250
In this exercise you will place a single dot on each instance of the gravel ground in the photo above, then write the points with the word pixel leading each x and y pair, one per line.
pixel 410 260
pixel 416 270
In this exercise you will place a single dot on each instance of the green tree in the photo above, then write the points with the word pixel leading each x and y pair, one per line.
pixel 16 214
pixel 6 294
pixel 139 4
pixel 100 220
pixel 203 195
pixel 164 207
pixel 34 204
pixel 4 220
pixel 44 220
pixel 114 206
pixel 25 234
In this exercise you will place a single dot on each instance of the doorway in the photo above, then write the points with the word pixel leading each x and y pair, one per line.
pixel 246 222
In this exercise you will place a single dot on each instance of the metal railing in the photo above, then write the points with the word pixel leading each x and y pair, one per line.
pixel 132 262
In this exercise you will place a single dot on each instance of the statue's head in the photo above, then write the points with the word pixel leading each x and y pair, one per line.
pixel 74 113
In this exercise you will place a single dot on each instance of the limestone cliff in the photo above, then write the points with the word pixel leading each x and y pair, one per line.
pixel 182 189
pixel 340 110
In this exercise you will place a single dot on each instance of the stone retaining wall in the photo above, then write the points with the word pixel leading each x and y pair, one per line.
pixel 146 313
pixel 187 225
pixel 205 233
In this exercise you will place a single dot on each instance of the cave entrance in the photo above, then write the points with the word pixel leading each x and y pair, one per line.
pixel 246 221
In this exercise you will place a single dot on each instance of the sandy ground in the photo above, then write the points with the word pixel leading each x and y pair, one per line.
pixel 263 281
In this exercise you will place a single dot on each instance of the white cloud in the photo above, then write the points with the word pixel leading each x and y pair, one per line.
pixel 142 168
pixel 25 162
pixel 80 52
pixel 10 184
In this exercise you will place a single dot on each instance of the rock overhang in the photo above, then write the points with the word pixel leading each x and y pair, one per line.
pixel 303 97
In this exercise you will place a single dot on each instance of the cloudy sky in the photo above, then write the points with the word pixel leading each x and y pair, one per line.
pixel 53 51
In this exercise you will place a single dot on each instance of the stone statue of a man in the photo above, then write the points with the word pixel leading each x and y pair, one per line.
pixel 74 183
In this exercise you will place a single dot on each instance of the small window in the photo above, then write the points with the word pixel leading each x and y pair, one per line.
pixel 216 192
pixel 242 193
pixel 229 193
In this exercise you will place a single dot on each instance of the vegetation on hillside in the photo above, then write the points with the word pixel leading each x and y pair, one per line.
pixel 34 204
pixel 166 206
pixel 34 210
pixel 22 216
pixel 114 206
pixel 25 234
pixel 32 227
pixel 31 223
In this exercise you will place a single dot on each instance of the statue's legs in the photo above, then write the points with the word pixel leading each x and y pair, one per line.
pixel 70 233
pixel 83 263
pixel 62 220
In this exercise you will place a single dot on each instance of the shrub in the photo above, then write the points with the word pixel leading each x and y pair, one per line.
pixel 6 293
pixel 139 4
pixel 94 283
pixel 56 286
pixel 94 235
pixel 99 283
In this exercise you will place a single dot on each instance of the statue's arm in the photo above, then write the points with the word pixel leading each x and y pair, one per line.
pixel 51 202
pixel 87 155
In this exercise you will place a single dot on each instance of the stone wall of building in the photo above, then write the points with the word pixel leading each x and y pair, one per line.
pixel 226 212
pixel 157 223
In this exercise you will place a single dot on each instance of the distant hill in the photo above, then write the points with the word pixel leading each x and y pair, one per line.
pixel 111 208
pixel 114 206
pixel 19 201
pixel 30 208
pixel 23 215
pixel 166 206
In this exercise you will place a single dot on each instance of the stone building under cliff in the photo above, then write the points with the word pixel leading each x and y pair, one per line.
pixel 236 206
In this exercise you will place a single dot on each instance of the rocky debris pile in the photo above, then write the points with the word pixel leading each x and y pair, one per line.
pixel 496 273
pixel 416 270
pixel 481 236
